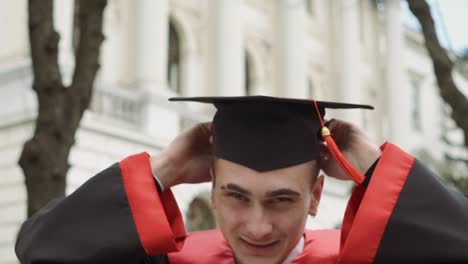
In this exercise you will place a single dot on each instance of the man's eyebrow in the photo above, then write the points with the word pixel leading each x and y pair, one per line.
pixel 283 191
pixel 235 187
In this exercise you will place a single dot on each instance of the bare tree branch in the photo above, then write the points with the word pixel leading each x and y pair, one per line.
pixel 45 48
pixel 44 158
pixel 87 56
pixel 443 66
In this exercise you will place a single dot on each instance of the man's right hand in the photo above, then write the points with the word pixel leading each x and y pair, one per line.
pixel 355 145
pixel 187 159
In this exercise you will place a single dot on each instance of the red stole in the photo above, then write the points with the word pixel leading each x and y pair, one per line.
pixel 320 246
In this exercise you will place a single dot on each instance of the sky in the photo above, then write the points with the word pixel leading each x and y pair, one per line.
pixel 449 14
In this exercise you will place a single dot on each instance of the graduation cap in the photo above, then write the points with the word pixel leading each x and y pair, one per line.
pixel 267 133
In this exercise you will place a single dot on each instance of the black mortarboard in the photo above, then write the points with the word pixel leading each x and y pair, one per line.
pixel 267 133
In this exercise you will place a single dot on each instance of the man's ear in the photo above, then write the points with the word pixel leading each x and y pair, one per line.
pixel 213 203
pixel 317 188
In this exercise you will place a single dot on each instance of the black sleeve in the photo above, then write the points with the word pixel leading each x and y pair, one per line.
pixel 404 214
pixel 429 223
pixel 92 225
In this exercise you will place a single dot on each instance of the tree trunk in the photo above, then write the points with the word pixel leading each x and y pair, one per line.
pixel 44 158
pixel 443 66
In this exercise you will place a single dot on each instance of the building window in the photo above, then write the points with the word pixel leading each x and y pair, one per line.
pixel 367 121
pixel 173 62
pixel 310 7
pixel 362 21
pixel 248 74
pixel 416 103
pixel 311 89
pixel 76 27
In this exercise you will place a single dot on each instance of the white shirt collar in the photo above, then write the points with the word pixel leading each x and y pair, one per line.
pixel 295 251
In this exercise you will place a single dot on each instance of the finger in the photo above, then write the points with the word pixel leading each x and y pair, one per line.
pixel 212 175
pixel 325 165
pixel 335 124
pixel 324 156
pixel 205 129
pixel 207 125
pixel 323 150
pixel 329 123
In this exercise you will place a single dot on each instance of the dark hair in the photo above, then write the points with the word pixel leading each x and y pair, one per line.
pixel 315 166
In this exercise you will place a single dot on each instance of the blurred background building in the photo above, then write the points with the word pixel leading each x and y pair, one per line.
pixel 353 51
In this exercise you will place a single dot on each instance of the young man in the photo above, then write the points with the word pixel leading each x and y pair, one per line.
pixel 262 155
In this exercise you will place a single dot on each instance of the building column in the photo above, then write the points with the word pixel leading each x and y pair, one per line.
pixel 226 48
pixel 192 69
pixel 348 58
pixel 151 67
pixel 117 56
pixel 152 45
pixel 394 72
pixel 290 70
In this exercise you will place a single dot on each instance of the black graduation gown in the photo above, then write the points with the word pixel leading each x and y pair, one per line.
pixel 403 215
pixel 97 223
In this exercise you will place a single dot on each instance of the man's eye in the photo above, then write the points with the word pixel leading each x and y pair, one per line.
pixel 237 196
pixel 280 200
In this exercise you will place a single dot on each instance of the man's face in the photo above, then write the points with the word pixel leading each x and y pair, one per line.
pixel 262 215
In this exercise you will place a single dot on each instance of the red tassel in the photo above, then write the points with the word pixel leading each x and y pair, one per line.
pixel 355 175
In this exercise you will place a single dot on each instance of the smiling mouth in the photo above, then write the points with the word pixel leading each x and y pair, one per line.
pixel 259 248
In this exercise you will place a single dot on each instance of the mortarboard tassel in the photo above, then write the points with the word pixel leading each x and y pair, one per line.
pixel 355 175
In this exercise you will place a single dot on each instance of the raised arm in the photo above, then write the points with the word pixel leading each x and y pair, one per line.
pixel 402 213
pixel 119 215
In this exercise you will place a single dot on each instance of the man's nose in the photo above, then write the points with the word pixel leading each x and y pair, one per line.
pixel 259 226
